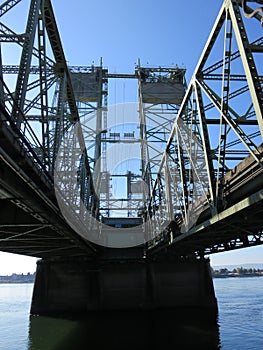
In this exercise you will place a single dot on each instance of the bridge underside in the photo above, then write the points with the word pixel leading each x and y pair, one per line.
pixel 186 157
pixel 239 226
pixel 30 221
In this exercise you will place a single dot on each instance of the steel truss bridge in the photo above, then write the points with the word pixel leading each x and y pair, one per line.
pixel 200 144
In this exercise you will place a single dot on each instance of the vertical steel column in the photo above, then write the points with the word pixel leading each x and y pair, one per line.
pixel 98 142
pixel 146 171
pixel 224 111
pixel 43 87
pixel 24 68
pixel 1 78
pixel 168 190
pixel 207 148
pixel 59 118
pixel 248 62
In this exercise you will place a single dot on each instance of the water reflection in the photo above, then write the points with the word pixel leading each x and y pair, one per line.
pixel 169 329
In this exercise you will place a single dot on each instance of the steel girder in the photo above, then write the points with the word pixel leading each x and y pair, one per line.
pixel 38 106
pixel 206 196
pixel 213 157
pixel 37 91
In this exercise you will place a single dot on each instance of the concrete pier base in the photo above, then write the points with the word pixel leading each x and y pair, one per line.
pixel 77 287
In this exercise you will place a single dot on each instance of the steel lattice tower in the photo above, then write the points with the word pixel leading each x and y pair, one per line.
pixel 201 145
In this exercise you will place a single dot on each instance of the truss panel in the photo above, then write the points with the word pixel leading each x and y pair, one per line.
pixel 201 155
pixel 213 158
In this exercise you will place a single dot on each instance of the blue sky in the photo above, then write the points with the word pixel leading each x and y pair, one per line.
pixel 160 33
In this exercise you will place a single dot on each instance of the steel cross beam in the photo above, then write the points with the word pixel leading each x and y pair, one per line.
pixel 7 5
pixel 250 14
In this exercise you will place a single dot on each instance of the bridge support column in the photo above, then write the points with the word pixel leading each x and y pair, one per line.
pixel 79 286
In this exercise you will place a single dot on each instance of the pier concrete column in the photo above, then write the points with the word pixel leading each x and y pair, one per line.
pixel 79 286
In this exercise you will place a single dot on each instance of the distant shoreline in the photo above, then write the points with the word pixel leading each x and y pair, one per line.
pixel 18 278
pixel 237 276
pixel 236 272
pixel 219 273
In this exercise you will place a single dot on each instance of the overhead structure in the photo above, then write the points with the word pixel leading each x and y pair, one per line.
pixel 161 91
pixel 210 177
pixel 198 187
pixel 38 107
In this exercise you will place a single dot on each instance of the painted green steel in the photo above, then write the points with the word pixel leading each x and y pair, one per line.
pixel 205 184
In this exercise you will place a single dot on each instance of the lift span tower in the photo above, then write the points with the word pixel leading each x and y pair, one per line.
pixel 123 203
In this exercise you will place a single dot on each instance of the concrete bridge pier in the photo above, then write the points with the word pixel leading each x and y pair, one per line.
pixel 79 286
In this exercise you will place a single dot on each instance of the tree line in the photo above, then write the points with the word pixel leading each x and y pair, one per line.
pixel 18 278
pixel 237 272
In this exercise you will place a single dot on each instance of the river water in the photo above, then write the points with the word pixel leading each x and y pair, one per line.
pixel 237 327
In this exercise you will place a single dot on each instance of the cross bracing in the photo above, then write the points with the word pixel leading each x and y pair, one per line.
pixel 215 145
pixel 200 145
